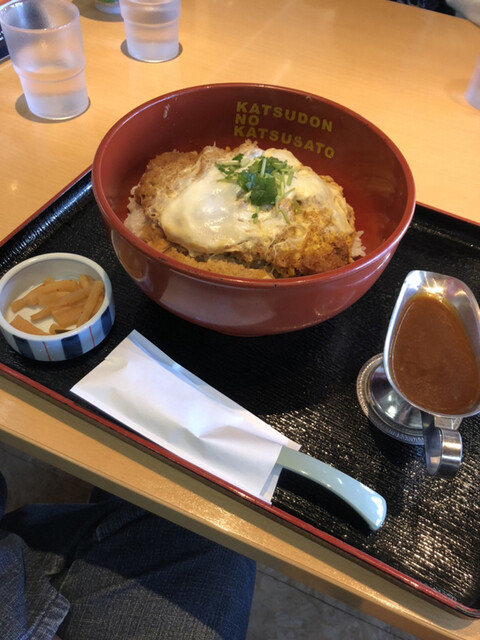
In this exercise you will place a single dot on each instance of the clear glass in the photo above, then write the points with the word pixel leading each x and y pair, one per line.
pixel 151 28
pixel 44 41
pixel 473 90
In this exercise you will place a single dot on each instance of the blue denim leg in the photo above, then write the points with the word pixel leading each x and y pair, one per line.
pixel 131 575
pixel 30 607
pixel 3 495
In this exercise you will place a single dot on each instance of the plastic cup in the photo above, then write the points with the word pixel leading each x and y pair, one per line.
pixel 473 90
pixel 151 28
pixel 45 45
pixel 108 6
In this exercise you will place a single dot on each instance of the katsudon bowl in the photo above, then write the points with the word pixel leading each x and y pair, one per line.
pixel 326 136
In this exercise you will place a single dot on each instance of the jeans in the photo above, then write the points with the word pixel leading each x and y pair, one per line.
pixel 109 570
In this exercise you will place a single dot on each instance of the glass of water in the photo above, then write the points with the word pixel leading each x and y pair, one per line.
pixel 151 28
pixel 44 41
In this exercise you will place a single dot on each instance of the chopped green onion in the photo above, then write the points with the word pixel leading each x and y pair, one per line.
pixel 263 182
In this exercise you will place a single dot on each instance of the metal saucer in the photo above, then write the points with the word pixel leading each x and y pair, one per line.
pixel 386 409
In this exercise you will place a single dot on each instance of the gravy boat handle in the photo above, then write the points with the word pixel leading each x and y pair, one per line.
pixel 370 505
pixel 443 445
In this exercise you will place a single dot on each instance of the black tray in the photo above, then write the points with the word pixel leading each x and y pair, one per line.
pixel 304 384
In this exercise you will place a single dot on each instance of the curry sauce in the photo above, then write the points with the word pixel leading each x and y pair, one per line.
pixel 432 361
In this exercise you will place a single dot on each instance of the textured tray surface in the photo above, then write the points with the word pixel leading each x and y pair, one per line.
pixel 304 384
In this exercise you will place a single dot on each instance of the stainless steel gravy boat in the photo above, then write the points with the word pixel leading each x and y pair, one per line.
pixel 395 414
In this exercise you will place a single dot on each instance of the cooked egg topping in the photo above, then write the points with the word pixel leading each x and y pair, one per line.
pixel 232 204
pixel 245 211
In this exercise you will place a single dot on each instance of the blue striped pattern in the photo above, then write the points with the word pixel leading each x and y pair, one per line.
pixel 72 346
pixel 23 347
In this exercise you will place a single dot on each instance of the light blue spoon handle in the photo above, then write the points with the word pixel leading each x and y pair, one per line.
pixel 370 505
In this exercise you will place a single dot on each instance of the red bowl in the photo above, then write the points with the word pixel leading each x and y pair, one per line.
pixel 330 138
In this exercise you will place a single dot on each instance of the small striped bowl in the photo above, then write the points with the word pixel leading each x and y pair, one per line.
pixel 18 280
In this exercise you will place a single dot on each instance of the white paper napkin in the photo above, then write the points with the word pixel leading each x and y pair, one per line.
pixel 140 386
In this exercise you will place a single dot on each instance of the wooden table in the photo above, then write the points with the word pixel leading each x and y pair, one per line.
pixel 403 68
